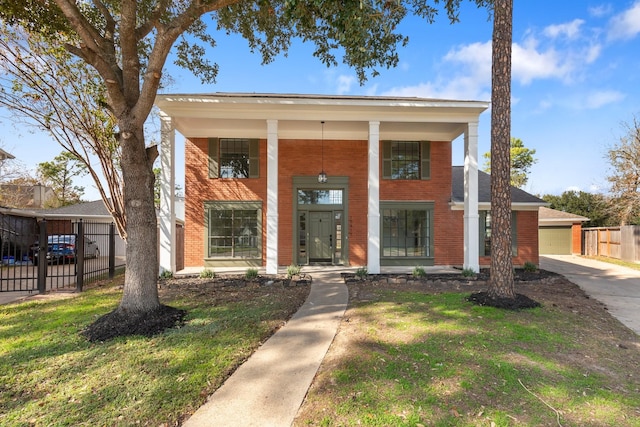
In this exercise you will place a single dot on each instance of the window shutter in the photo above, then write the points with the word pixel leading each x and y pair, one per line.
pixel 386 159
pixel 514 233
pixel 482 231
pixel 425 159
pixel 214 161
pixel 254 158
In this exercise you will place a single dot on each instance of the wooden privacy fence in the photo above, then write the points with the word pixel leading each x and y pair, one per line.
pixel 613 242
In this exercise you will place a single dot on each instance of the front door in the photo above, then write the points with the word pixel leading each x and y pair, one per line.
pixel 320 237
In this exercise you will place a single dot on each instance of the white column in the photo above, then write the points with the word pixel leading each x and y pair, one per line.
pixel 167 220
pixel 471 222
pixel 373 212
pixel 272 197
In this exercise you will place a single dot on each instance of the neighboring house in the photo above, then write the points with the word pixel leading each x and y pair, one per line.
pixel 559 233
pixel 273 180
pixel 94 213
pixel 26 196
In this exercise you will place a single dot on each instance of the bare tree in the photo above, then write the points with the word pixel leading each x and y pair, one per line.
pixel 624 158
pixel 47 88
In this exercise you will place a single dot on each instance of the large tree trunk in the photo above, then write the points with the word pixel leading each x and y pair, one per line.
pixel 140 287
pixel 501 281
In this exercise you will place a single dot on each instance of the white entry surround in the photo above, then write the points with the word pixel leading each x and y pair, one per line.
pixel 291 116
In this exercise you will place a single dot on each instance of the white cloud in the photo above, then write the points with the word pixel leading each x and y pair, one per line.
pixel 338 83
pixel 593 53
pixel 471 82
pixel 477 55
pixel 530 63
pixel 601 98
pixel 625 25
pixel 462 87
pixel 559 52
pixel 600 11
pixel 570 29
pixel 344 84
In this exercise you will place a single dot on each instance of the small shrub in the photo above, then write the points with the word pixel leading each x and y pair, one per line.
pixel 207 274
pixel 293 270
pixel 166 274
pixel 419 272
pixel 251 274
pixel 362 272
pixel 530 267
pixel 468 272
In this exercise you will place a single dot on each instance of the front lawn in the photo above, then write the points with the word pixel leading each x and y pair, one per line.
pixel 416 354
pixel 51 376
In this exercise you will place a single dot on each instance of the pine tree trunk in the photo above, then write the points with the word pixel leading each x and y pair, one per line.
pixel 501 280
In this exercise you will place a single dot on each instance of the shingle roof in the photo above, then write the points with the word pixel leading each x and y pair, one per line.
pixel 95 208
pixel 484 189
pixel 553 214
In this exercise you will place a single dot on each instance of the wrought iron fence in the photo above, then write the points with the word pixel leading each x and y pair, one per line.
pixel 42 256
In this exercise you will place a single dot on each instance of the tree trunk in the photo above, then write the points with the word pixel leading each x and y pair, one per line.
pixel 501 280
pixel 141 277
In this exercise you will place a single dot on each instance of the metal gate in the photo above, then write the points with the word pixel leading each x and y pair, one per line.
pixel 38 256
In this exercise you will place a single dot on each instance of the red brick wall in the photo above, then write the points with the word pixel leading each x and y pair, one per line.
pixel 341 158
pixel 200 188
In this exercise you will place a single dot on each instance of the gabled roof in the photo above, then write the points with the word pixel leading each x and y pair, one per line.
pixel 550 217
pixel 520 199
pixel 4 155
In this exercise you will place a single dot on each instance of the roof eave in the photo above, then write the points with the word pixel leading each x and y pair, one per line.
pixel 485 206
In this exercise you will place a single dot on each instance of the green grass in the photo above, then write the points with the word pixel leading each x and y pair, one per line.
pixel 51 376
pixel 438 360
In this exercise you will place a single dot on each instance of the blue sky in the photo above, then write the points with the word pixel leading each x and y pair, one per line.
pixel 576 78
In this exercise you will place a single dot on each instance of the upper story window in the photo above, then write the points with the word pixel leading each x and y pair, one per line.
pixel 406 159
pixel 234 158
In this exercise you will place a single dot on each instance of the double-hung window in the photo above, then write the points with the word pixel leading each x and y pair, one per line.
pixel 406 160
pixel 234 230
pixel 234 158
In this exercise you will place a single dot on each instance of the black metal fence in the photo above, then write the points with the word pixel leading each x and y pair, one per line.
pixel 39 256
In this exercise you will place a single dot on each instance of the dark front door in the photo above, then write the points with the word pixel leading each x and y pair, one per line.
pixel 320 237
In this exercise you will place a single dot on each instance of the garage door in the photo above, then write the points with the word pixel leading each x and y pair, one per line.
pixel 554 240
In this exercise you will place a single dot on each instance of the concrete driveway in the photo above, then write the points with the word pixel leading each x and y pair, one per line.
pixel 615 286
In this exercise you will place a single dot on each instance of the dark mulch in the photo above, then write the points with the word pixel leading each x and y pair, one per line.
pixel 455 282
pixel 120 323
pixel 518 303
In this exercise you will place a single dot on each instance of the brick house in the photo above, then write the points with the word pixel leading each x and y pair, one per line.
pixel 274 180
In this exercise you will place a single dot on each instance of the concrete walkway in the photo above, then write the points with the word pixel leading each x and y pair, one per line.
pixel 268 389
pixel 615 286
